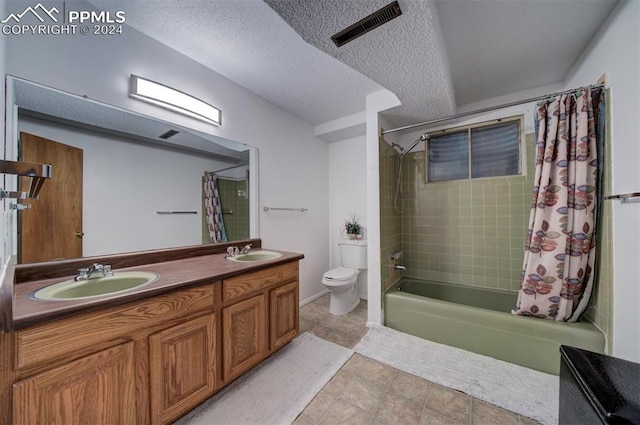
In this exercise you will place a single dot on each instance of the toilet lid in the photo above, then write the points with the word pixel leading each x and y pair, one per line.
pixel 340 273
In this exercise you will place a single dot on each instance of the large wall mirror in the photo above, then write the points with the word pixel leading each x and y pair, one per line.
pixel 122 181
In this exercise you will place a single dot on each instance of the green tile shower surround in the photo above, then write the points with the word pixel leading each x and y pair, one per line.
pixel 472 232
pixel 232 199
pixel 469 232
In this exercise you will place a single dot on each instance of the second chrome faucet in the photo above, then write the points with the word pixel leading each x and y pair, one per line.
pixel 87 272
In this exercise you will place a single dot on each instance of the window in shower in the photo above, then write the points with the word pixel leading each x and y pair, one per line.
pixel 480 151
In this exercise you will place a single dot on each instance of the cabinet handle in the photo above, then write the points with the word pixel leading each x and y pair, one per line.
pixel 79 234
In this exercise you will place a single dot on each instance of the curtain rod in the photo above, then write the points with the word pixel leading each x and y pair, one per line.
pixel 488 109
pixel 230 168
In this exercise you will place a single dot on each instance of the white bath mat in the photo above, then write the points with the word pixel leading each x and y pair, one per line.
pixel 276 391
pixel 518 389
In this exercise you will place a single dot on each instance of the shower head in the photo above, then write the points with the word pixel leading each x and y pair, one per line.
pixel 422 138
pixel 399 148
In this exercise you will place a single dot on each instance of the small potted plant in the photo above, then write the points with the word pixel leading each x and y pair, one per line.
pixel 353 229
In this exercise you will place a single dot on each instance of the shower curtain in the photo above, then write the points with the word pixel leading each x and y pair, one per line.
pixel 213 209
pixel 558 269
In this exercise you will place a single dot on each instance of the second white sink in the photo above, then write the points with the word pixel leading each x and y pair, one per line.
pixel 256 256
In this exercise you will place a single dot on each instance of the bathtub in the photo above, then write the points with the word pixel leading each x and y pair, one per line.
pixel 479 320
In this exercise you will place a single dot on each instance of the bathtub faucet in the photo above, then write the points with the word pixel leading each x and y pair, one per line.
pixel 399 267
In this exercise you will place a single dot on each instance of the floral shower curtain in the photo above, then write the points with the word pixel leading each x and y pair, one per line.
pixel 213 209
pixel 558 269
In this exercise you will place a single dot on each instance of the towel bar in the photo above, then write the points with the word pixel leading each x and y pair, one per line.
pixel 624 197
pixel 285 209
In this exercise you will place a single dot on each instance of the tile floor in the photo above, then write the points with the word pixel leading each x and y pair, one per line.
pixel 366 391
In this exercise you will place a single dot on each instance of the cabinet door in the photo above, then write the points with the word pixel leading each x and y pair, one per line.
pixel 244 335
pixel 284 310
pixel 182 366
pixel 97 389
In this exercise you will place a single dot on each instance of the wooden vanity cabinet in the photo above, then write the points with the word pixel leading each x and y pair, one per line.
pixel 284 315
pixel 153 360
pixel 97 389
pixel 259 315
pixel 244 336
pixel 183 367
pixel 148 361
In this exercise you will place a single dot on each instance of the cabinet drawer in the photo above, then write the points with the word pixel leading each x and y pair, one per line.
pixel 85 333
pixel 240 286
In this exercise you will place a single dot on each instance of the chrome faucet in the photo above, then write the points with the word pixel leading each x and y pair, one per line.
pixel 86 272
pixel 232 251
pixel 399 267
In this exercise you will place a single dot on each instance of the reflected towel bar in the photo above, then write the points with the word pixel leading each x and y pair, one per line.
pixel 625 197
pixel 285 209
pixel 176 212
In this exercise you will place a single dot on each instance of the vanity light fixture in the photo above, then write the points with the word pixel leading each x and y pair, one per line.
pixel 174 100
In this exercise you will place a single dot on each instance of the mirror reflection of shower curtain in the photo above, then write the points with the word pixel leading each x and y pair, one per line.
pixel 213 209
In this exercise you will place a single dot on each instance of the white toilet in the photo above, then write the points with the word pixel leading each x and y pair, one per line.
pixel 343 281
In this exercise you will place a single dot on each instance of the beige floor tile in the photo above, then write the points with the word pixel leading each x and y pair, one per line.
pixel 397 410
pixel 410 386
pixel 338 383
pixel 345 414
pixel 315 311
pixel 307 325
pixel 302 421
pixel 451 403
pixel 431 417
pixel 319 406
pixel 332 335
pixel 354 363
pixel 368 380
pixel 376 372
pixel 363 394
pixel 486 414
pixel 343 324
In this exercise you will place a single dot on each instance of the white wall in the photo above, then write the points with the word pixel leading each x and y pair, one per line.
pixel 616 52
pixel 125 183
pixel 347 195
pixel 3 216
pixel 293 162
pixel 376 102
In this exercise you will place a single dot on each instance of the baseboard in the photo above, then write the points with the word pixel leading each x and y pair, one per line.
pixel 314 297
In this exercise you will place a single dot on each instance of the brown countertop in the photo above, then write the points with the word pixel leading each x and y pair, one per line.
pixel 172 275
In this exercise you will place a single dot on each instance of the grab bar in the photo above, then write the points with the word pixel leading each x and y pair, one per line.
pixel 624 197
pixel 284 209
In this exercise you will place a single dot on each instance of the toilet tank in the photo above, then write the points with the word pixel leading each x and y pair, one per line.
pixel 354 254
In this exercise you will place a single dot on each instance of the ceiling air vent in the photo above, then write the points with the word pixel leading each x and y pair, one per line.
pixel 363 26
pixel 168 134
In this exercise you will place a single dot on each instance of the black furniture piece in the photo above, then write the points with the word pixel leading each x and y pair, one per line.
pixel 598 389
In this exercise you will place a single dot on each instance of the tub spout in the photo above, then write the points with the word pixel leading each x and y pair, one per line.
pixel 399 267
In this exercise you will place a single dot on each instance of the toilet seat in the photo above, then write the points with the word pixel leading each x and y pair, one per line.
pixel 340 274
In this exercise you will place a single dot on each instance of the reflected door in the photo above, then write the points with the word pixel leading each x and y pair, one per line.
pixel 52 228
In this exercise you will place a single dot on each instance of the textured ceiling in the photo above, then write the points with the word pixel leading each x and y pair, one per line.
pixel 496 47
pixel 404 55
pixel 247 42
pixel 437 55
